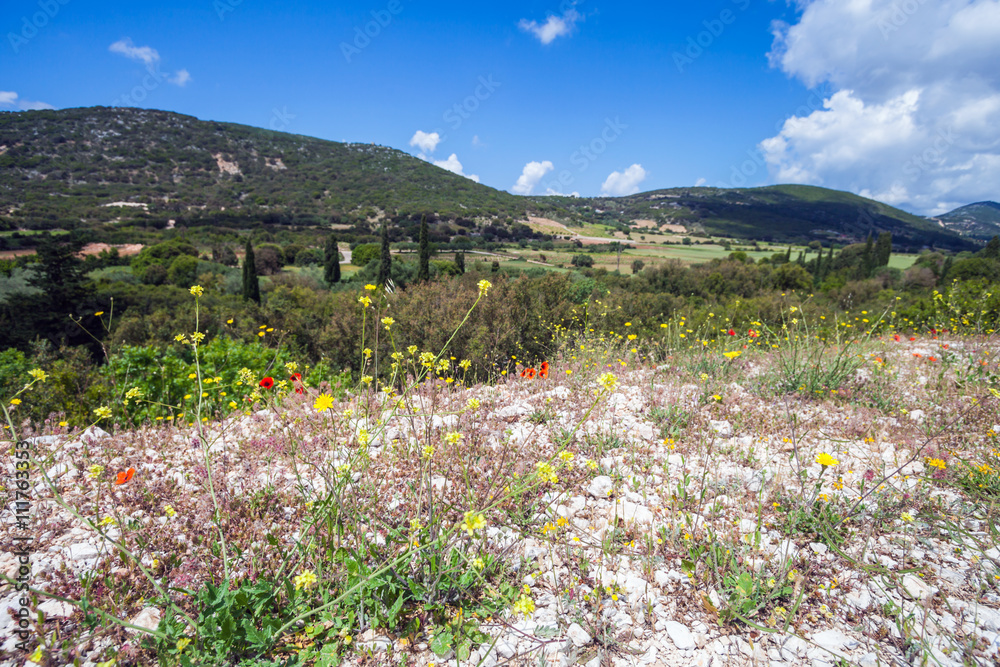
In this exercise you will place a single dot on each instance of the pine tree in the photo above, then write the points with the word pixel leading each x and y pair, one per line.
pixel 883 249
pixel 331 261
pixel 424 267
pixel 251 286
pixel 460 262
pixel 385 265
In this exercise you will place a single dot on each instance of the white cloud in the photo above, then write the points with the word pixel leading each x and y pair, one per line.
pixel 555 193
pixel 426 142
pixel 145 54
pixel 700 182
pixel 9 98
pixel 532 173
pixel 918 99
pixel 477 142
pixel 453 165
pixel 180 78
pixel 619 184
pixel 554 26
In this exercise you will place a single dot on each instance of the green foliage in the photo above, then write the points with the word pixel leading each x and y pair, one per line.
pixel 423 269
pixel 385 259
pixel 365 253
pixel 163 376
pixel 251 284
pixel 582 260
pixel 235 624
pixel 183 271
pixel 331 261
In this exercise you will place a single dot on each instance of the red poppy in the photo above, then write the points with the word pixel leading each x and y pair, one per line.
pixel 267 382
pixel 752 333
pixel 125 476
pixel 296 377
pixel 531 373
pixel 896 338
pixel 932 359
pixel 524 373
pixel 731 332
pixel 544 372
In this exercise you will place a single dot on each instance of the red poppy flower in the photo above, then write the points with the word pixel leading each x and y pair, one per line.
pixel 300 390
pixel 125 476
pixel 267 382
pixel 752 333
pixel 531 373
pixel 932 359
pixel 731 332
pixel 544 372
pixel 896 338
pixel 545 366
pixel 524 373
pixel 296 377
pixel 913 337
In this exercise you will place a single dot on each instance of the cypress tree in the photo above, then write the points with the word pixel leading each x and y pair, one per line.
pixel 385 265
pixel 883 249
pixel 788 255
pixel 331 261
pixel 867 259
pixel 251 286
pixel 424 267
pixel 460 262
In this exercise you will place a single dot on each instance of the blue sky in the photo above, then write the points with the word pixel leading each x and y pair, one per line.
pixel 588 97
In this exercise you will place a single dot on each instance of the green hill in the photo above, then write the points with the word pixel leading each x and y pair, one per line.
pixel 980 220
pixel 778 213
pixel 82 167
pixel 60 168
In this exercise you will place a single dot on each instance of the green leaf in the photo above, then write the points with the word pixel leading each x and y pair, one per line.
pixel 442 642
pixel 546 631
pixel 463 650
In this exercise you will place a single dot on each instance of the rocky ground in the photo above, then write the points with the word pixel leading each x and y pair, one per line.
pixel 684 518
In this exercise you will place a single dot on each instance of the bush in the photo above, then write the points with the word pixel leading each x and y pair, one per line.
pixel 583 260
pixel 365 253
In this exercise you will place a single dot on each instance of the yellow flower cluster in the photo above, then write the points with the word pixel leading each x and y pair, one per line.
pixel 472 522
pixel 304 580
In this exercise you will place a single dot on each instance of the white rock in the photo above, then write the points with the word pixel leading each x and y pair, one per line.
pixel 631 513
pixel 601 487
pixel 721 428
pixel 819 548
pixel 56 609
pixel 95 433
pixel 917 416
pixel 916 589
pixel 578 635
pixel 681 636
pixel 834 640
pixel 148 618
pixel 82 551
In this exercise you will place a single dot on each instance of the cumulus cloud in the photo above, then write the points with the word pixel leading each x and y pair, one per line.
pixel 916 103
pixel 181 78
pixel 144 54
pixel 532 173
pixel 9 98
pixel 619 184
pixel 554 26
pixel 454 166
pixel 426 142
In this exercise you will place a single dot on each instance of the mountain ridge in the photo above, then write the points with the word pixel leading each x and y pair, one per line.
pixel 94 165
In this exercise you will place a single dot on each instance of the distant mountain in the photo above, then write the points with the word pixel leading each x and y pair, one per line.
pixel 79 167
pixel 980 220
pixel 779 213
